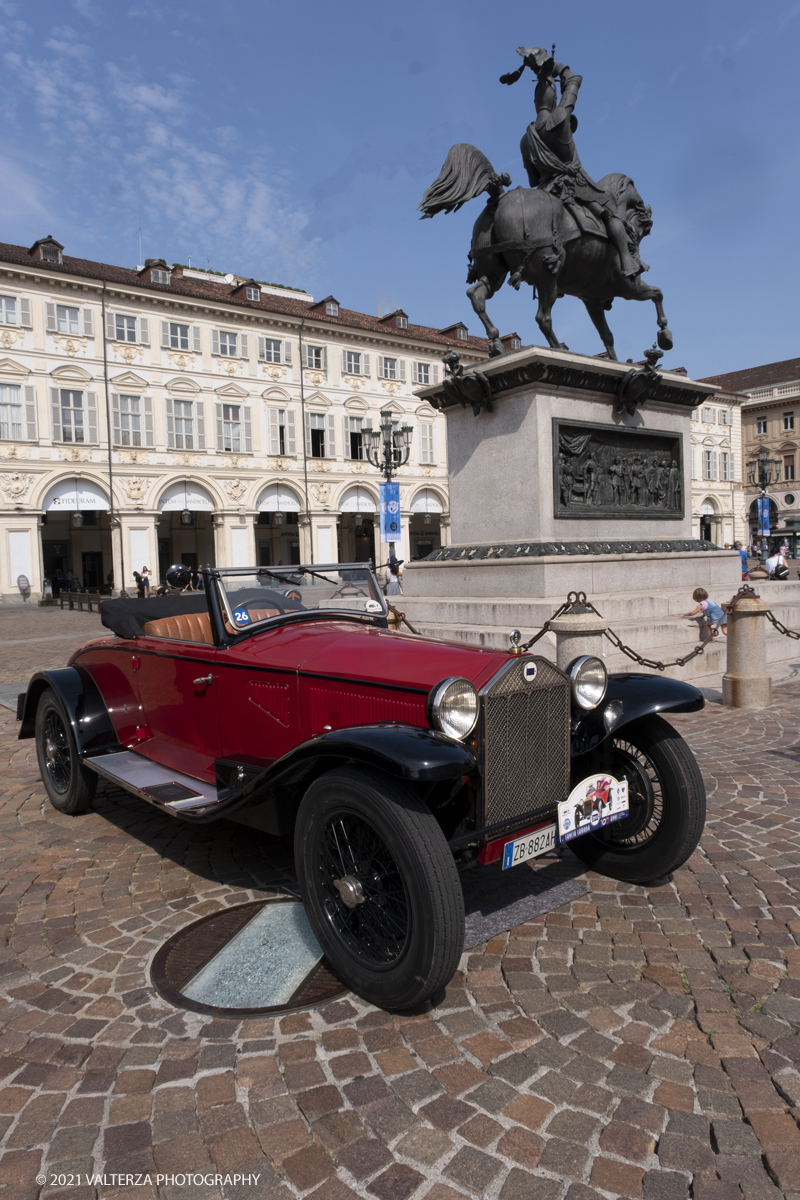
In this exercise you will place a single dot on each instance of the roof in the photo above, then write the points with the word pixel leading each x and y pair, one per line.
pixel 220 293
pixel 755 377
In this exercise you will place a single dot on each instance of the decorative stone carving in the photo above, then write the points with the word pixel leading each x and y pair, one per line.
pixel 9 336
pixel 70 345
pixel 235 489
pixel 319 466
pixel 607 471
pixel 73 454
pixel 557 549
pixel 135 487
pixel 391 386
pixel 127 353
pixel 16 486
pixel 359 468
pixel 315 377
pixel 133 456
pixel 230 366
pixel 321 493
pixel 353 381
pixel 182 361
pixel 274 371
pixel 16 452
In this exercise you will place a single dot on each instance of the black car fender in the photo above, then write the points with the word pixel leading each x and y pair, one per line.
pixel 420 756
pixel 86 712
pixel 628 698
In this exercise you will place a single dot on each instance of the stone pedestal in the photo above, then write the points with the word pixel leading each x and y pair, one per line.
pixel 746 683
pixel 577 634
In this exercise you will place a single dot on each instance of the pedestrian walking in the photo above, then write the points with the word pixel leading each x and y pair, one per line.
pixel 743 556
pixel 139 585
pixel 776 567
pixel 711 612
pixel 146 581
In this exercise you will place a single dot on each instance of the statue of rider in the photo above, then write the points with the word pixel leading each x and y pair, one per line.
pixel 550 155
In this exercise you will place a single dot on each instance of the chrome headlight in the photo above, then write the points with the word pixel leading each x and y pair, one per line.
pixel 588 678
pixel 453 707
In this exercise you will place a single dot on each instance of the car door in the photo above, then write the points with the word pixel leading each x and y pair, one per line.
pixel 177 690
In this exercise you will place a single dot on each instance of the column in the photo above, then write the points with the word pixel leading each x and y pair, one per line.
pixel 139 548
pixel 20 554
pixel 403 547
pixel 325 530
pixel 444 529
pixel 304 530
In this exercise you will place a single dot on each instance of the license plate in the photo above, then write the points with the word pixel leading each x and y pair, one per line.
pixel 530 846
pixel 594 803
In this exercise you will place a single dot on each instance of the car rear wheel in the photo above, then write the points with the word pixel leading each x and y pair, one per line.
pixel 667 800
pixel 380 887
pixel 69 786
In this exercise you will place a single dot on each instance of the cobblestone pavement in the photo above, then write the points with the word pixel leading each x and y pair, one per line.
pixel 640 1042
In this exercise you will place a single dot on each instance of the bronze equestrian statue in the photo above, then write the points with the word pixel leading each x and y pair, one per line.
pixel 565 234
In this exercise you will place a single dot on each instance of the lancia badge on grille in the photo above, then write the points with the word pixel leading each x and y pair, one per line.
pixel 529 672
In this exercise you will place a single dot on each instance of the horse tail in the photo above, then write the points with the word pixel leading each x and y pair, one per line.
pixel 466 173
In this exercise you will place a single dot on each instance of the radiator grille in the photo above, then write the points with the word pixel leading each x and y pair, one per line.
pixel 526 737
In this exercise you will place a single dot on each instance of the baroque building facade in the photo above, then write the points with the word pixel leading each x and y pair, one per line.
pixel 718 504
pixel 769 396
pixel 165 415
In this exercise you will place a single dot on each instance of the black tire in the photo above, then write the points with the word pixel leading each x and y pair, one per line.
pixel 400 944
pixel 667 806
pixel 69 786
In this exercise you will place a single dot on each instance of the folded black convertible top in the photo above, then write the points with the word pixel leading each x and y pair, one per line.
pixel 126 618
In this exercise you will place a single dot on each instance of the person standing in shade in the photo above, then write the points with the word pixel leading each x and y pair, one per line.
pixel 146 581
pixel 393 580
pixel 139 585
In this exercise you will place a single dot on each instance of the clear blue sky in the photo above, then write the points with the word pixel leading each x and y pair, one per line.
pixel 293 142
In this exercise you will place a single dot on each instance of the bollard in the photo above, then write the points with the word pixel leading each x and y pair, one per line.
pixel 576 634
pixel 746 683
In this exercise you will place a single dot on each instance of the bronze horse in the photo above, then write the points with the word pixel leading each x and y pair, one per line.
pixel 532 236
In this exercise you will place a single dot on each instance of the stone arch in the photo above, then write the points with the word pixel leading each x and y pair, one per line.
pixel 279 496
pixel 182 385
pixel 71 373
pixel 425 412
pixel 276 395
pixel 49 487
pixel 182 491
pixel 428 499
pixel 356 405
pixel 357 497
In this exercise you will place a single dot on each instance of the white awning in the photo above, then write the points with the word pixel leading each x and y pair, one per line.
pixel 179 496
pixel 426 501
pixel 277 497
pixel 358 500
pixel 75 495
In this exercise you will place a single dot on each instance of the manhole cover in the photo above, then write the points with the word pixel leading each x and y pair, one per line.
pixel 255 958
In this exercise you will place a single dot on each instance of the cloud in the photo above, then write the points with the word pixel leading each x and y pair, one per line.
pixel 118 156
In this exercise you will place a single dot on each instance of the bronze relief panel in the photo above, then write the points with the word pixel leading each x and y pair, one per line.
pixel 617 472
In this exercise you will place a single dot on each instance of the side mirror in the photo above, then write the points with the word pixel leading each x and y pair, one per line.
pixel 178 576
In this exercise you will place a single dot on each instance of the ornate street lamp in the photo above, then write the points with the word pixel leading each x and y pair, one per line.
pixel 187 517
pixel 761 473
pixel 77 516
pixel 387 448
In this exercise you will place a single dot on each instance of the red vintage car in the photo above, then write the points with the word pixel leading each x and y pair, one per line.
pixel 279 697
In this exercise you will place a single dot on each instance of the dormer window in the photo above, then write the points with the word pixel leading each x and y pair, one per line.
pixel 516 344
pixel 332 308
pixel 402 322
pixel 158 276
pixel 50 254
pixel 462 334
pixel 253 293
pixel 47 250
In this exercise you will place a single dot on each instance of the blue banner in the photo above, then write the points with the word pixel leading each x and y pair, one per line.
pixel 763 516
pixel 390 512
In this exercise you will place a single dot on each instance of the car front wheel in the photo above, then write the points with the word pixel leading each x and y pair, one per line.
pixel 667 801
pixel 69 786
pixel 380 887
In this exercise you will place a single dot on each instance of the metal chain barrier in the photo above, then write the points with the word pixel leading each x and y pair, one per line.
pixel 400 618
pixel 748 593
pixel 577 600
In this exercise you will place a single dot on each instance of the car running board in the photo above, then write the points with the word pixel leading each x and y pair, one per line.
pixel 158 785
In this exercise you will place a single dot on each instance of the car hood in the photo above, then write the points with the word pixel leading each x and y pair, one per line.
pixel 373 655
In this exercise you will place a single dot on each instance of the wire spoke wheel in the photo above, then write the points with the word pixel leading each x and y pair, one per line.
pixel 375 924
pixel 57 752
pixel 667 802
pixel 645 798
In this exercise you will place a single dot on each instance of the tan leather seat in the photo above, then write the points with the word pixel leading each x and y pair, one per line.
pixel 188 627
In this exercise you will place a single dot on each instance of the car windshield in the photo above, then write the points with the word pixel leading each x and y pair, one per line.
pixel 257 594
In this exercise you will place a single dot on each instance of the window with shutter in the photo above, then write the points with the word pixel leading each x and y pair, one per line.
pixel 218 423
pixel 30 414
pixel 244 350
pixel 115 420
pixel 55 414
pixel 330 446
pixel 401 370
pixel 316 425
pixel 88 323
pixel 287 353
pixel 434 372
pixel 50 317
pixel 197 344
pixel 111 328
pixel 68 319
pixel 274 431
pixel 426 442
pixel 215 341
pixel 170 424
pixel 144 331
pixel 201 424
pixel 184 425
pixel 291 445
pixel 25 313
pixel 72 416
pixel 11 414
pixel 248 429
pixel 149 432
pixel 165 345
pixel 91 414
